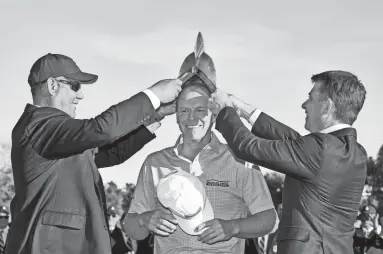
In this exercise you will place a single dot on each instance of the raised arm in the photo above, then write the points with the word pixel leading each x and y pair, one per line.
pixel 57 135
pixel 266 127
pixel 299 157
pixel 123 148
pixel 263 125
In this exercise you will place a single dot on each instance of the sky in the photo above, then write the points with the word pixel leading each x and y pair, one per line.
pixel 265 52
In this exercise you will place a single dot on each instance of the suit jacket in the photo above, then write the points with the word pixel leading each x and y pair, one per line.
pixel 325 175
pixel 59 206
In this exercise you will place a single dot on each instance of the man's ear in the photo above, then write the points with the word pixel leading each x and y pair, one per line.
pixel 52 86
pixel 328 106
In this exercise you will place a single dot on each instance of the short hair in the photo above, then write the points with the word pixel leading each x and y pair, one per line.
pixel 345 90
pixel 191 85
pixel 36 89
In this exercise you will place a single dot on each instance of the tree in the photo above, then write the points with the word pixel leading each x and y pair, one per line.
pixel 113 197
pixel 119 198
pixel 275 182
pixel 7 189
pixel 371 171
pixel 127 196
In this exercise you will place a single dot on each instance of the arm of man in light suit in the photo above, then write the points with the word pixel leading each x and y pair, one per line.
pixel 300 157
pixel 58 135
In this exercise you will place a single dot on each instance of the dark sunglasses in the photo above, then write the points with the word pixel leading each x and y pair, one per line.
pixel 4 217
pixel 74 85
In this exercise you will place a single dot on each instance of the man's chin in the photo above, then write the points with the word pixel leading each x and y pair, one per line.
pixel 307 126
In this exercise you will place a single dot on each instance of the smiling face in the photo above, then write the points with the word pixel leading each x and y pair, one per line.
pixel 193 117
pixel 65 98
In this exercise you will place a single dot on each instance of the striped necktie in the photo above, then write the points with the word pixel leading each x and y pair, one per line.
pixel 2 242
pixel 262 243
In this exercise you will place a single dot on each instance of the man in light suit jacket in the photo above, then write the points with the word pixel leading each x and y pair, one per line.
pixel 325 170
pixel 59 206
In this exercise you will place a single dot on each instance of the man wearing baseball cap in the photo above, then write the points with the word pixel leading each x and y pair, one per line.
pixel 195 196
pixel 59 206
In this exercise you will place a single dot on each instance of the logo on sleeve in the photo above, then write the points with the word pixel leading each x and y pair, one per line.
pixel 217 183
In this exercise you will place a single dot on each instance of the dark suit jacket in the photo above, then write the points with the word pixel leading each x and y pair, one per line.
pixel 325 175
pixel 59 206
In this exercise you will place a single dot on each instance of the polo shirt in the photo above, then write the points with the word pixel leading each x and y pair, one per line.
pixel 234 188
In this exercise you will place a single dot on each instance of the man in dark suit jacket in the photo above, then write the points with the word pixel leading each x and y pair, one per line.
pixel 325 170
pixel 59 206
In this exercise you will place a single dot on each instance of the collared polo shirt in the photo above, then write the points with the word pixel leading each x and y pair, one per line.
pixel 233 187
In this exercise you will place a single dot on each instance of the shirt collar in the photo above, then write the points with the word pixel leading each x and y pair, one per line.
pixel 336 127
pixel 214 143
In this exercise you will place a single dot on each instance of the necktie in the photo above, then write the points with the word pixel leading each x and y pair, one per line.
pixel 262 243
pixel 2 242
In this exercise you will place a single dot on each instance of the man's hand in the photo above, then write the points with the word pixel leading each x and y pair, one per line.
pixel 218 101
pixel 167 90
pixel 243 109
pixel 217 231
pixel 167 109
pixel 161 222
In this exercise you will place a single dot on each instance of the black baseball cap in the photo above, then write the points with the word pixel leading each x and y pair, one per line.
pixel 56 65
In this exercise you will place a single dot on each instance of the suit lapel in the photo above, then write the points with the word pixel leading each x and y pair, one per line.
pixel 99 185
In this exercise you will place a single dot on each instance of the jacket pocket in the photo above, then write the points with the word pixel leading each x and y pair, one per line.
pixel 293 233
pixel 63 219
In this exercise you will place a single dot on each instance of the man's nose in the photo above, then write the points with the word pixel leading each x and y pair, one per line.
pixel 80 95
pixel 304 105
pixel 191 115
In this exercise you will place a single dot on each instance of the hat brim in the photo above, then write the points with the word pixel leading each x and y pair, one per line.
pixel 202 78
pixel 82 77
pixel 189 225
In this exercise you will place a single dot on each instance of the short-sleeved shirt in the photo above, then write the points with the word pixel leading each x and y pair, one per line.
pixel 234 188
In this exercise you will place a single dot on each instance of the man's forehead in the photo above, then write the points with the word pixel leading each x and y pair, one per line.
pixel 196 100
pixel 316 88
pixel 194 92
pixel 194 95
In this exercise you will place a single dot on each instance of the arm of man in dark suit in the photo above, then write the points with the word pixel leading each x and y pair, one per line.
pixel 263 125
pixel 266 127
pixel 300 157
pixel 124 148
pixel 54 134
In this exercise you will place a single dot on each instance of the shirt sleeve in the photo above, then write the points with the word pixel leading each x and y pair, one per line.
pixel 153 98
pixel 253 118
pixel 144 194
pixel 256 194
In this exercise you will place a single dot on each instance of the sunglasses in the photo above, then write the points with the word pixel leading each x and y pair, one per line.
pixel 4 217
pixel 74 85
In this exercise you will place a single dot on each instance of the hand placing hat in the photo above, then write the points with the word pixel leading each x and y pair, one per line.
pixel 167 109
pixel 217 231
pixel 218 101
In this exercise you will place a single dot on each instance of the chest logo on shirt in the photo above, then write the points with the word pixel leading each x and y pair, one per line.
pixel 216 183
